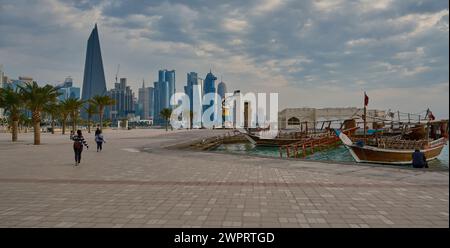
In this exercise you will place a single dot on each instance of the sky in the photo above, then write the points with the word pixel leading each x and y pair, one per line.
pixel 313 53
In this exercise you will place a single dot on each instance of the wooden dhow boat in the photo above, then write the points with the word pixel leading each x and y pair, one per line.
pixel 398 149
pixel 263 138
pixel 282 139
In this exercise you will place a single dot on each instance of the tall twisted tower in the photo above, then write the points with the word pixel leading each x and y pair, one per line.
pixel 94 77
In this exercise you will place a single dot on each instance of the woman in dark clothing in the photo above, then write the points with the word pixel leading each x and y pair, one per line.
pixel 419 159
pixel 97 131
pixel 78 143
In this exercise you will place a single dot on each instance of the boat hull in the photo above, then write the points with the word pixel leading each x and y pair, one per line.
pixel 255 140
pixel 368 154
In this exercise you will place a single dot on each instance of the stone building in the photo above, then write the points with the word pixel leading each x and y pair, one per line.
pixel 291 118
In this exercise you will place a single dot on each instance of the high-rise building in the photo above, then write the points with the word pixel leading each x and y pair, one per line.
pixel 15 83
pixel 66 93
pixel 146 102
pixel 191 82
pixel 124 106
pixel 194 91
pixel 94 77
pixel 170 78
pixel 157 102
pixel 235 115
pixel 68 82
pixel 141 102
pixel 67 90
pixel 163 91
pixel 209 86
pixel 222 89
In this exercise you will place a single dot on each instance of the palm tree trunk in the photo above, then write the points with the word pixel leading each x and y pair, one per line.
pixel 167 124
pixel 73 122
pixel 64 126
pixel 37 132
pixel 101 117
pixel 53 126
pixel 37 127
pixel 14 127
pixel 89 125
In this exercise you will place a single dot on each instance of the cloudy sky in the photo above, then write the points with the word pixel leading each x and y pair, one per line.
pixel 314 53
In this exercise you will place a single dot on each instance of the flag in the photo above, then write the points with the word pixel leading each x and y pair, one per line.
pixel 366 99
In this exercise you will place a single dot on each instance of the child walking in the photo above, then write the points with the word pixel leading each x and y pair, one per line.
pixel 100 140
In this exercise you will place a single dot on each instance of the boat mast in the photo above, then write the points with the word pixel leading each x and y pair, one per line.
pixel 428 125
pixel 366 101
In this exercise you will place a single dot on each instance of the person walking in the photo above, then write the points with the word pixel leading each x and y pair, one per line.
pixel 97 131
pixel 100 140
pixel 78 142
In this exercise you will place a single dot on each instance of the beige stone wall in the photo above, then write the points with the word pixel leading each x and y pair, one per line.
pixel 312 115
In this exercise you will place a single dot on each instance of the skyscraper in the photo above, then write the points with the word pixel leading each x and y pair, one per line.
pixel 170 78
pixel 67 90
pixel 209 86
pixel 146 102
pixel 191 82
pixel 193 90
pixel 157 101
pixel 163 91
pixel 15 83
pixel 124 106
pixel 222 89
pixel 235 115
pixel 94 77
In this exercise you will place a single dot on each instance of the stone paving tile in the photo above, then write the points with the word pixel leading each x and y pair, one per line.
pixel 167 188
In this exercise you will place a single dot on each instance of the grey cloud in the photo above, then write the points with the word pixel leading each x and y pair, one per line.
pixel 294 40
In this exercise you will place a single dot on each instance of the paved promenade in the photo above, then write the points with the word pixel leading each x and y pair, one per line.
pixel 136 182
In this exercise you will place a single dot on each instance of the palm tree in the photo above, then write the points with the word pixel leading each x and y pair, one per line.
pixel 165 114
pixel 35 98
pixel 24 122
pixel 73 107
pixel 11 102
pixel 101 102
pixel 54 110
pixel 64 110
pixel 90 110
pixel 107 123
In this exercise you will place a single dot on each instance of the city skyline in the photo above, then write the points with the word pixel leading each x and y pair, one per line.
pixel 393 51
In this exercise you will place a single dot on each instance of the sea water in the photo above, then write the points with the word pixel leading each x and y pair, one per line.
pixel 338 154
